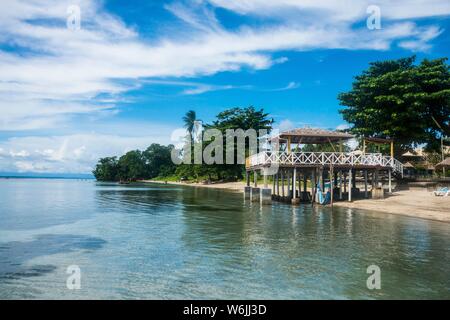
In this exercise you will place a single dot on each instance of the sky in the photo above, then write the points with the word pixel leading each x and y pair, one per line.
pixel 121 74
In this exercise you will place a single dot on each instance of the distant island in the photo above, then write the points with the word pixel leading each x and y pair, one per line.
pixel 34 175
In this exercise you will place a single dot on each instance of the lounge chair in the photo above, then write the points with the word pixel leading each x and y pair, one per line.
pixel 443 192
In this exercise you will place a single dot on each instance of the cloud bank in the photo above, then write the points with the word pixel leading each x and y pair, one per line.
pixel 51 75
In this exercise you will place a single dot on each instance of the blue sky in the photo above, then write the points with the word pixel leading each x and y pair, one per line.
pixel 125 79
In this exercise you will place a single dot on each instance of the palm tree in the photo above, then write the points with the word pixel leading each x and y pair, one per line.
pixel 189 121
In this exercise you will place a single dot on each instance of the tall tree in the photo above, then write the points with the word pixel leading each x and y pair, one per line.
pixel 399 99
pixel 243 118
pixel 132 166
pixel 107 169
pixel 158 160
pixel 189 121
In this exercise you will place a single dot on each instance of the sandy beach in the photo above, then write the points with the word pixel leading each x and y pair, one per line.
pixel 418 203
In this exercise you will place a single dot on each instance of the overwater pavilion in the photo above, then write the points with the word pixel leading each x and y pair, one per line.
pixel 291 169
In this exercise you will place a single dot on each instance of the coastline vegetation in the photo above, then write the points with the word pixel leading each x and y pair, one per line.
pixel 156 163
pixel 398 99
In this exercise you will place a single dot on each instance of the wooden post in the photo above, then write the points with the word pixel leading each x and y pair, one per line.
pixel 273 184
pixel 392 149
pixel 288 173
pixel 365 183
pixel 345 182
pixel 282 183
pixel 350 176
pixel 305 182
pixel 247 178
pixel 390 180
pixel 340 185
pixel 313 186
pixel 354 179
pixel 294 190
pixel 255 178
pixel 278 184
pixel 265 178
pixel 289 144
pixel 331 183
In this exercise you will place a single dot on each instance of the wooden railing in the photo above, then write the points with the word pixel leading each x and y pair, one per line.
pixel 323 159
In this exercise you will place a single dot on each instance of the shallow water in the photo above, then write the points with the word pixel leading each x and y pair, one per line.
pixel 173 242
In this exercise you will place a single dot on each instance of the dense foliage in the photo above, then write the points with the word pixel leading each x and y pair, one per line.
pixel 401 100
pixel 235 118
pixel 136 165
pixel 156 162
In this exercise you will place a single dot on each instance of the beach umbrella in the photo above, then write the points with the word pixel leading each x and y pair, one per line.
pixel 443 164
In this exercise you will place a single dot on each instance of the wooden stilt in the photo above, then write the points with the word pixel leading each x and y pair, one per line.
pixel 265 178
pixel 390 180
pixel 331 184
pixel 365 183
pixel 278 184
pixel 350 185
pixel 294 179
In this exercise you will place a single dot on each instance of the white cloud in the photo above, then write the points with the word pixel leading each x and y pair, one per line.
pixel 72 68
pixel 286 125
pixel 58 75
pixel 343 126
pixel 345 10
pixel 290 86
pixel 76 153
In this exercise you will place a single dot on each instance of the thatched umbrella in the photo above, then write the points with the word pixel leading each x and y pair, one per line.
pixel 443 164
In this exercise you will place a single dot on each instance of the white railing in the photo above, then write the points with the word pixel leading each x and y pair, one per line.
pixel 324 158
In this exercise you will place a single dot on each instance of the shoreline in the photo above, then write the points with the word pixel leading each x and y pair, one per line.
pixel 416 203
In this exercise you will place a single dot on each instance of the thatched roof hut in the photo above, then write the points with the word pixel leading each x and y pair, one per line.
pixel 444 164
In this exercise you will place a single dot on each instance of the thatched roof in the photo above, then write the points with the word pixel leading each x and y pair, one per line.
pixel 445 163
pixel 411 155
pixel 408 165
pixel 314 136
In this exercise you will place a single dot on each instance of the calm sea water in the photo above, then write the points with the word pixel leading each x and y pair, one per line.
pixel 170 242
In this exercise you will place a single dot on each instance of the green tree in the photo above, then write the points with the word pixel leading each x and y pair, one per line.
pixel 158 161
pixel 189 121
pixel 107 169
pixel 132 166
pixel 399 99
pixel 243 118
pixel 239 118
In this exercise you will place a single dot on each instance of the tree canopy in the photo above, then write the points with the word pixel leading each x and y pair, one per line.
pixel 134 165
pixel 156 160
pixel 402 100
